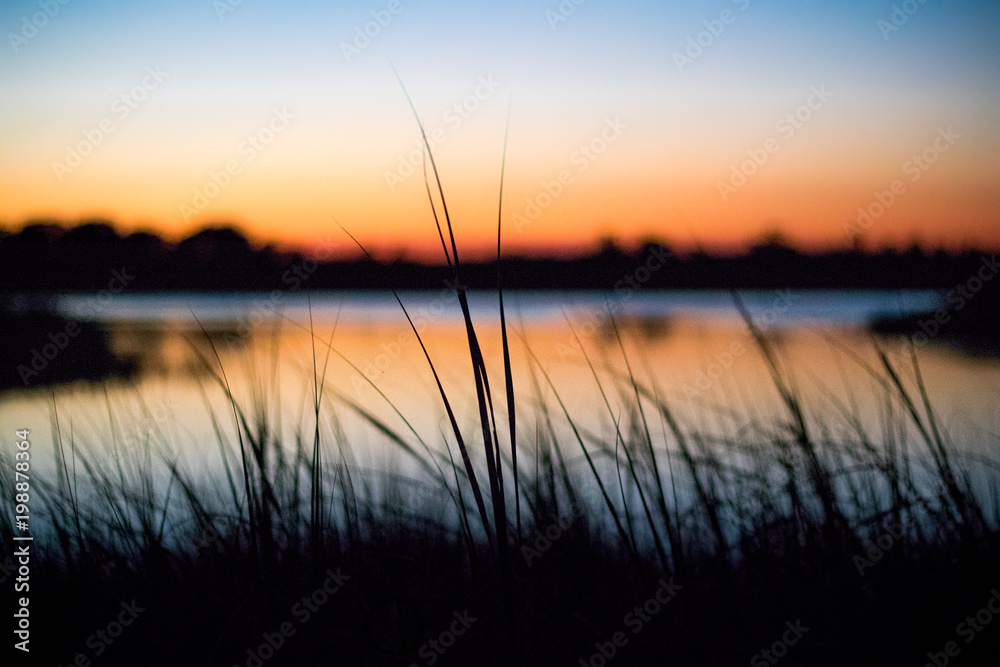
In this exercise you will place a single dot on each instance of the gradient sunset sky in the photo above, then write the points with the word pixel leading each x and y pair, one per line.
pixel 305 111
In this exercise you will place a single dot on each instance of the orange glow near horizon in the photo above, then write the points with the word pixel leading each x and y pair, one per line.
pixel 302 211
pixel 556 198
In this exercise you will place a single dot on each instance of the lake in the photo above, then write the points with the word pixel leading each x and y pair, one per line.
pixel 691 348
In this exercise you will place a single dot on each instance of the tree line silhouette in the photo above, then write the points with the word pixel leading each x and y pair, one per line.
pixel 50 257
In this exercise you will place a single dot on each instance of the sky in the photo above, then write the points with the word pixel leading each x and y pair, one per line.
pixel 704 124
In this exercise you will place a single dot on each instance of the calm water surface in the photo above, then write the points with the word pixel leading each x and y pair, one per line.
pixel 691 347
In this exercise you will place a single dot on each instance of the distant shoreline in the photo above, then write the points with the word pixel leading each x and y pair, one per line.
pixel 94 257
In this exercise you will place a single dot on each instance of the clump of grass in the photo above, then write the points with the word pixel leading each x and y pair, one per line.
pixel 745 528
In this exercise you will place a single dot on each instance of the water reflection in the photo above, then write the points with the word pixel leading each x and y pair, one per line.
pixel 691 348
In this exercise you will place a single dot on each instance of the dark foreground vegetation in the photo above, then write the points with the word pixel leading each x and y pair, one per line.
pixel 654 541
